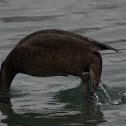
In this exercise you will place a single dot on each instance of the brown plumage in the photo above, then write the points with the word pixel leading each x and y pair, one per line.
pixel 54 52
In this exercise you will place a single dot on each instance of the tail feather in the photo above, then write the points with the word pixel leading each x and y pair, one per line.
pixel 102 46
pixel 99 45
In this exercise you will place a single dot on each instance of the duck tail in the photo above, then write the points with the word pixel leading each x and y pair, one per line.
pixel 106 47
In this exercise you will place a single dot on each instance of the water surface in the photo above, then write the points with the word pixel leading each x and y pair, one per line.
pixel 55 101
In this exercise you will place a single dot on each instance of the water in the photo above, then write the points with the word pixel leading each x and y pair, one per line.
pixel 55 101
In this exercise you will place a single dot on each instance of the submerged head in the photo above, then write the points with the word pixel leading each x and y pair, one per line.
pixel 6 77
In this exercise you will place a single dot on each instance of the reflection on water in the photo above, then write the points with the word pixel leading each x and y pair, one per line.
pixel 56 100
pixel 74 108
pixel 87 115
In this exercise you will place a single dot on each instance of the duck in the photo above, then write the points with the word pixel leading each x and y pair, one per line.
pixel 54 52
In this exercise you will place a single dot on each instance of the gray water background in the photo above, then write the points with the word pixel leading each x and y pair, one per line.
pixel 55 101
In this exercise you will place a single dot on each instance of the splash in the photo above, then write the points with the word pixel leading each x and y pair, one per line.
pixel 110 95
pixel 105 95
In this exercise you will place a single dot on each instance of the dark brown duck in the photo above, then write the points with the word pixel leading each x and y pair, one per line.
pixel 52 53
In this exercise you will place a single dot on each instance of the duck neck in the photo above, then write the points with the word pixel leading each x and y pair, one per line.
pixel 7 74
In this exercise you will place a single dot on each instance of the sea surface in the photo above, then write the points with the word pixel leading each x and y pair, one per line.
pixel 55 101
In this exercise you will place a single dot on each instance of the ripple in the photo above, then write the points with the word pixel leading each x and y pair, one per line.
pixel 31 18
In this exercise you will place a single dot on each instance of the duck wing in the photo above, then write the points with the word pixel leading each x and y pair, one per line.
pixel 95 44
